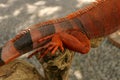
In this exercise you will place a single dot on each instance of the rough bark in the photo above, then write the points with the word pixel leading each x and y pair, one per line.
pixel 19 70
pixel 96 42
pixel 115 38
pixel 57 67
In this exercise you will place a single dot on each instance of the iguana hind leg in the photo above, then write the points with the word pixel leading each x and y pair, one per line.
pixel 76 41
pixel 73 40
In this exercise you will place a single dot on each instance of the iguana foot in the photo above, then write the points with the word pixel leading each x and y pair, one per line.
pixel 52 46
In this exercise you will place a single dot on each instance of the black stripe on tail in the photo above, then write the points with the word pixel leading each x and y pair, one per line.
pixel 24 44
pixel 47 30
pixel 1 61
pixel 79 23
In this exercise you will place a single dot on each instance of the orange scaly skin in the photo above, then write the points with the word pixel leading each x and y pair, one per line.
pixel 73 32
